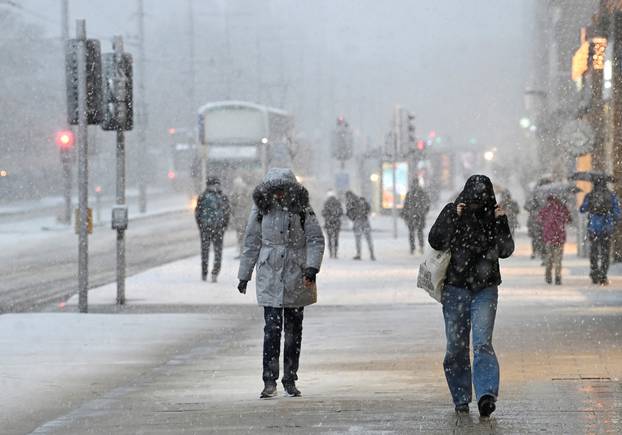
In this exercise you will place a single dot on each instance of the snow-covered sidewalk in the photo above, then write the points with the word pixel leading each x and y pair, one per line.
pixel 66 367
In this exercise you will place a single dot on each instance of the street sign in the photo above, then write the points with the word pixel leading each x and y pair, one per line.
pixel 577 137
pixel 89 220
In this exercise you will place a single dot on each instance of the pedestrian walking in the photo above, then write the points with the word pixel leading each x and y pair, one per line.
pixel 534 230
pixel 476 232
pixel 212 215
pixel 332 212
pixel 553 218
pixel 511 208
pixel 416 207
pixel 357 210
pixel 285 242
pixel 240 208
pixel 603 208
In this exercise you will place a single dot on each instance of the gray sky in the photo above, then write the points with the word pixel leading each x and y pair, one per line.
pixel 460 65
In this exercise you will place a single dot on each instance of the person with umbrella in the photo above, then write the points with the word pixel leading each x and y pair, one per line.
pixel 603 209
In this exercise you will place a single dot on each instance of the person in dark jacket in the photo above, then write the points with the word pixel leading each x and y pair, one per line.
pixel 285 241
pixel 511 208
pixel 416 207
pixel 212 215
pixel 332 213
pixel 357 210
pixel 603 208
pixel 476 232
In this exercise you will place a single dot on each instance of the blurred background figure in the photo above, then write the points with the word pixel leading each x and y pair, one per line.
pixel 511 209
pixel 603 208
pixel 553 218
pixel 534 229
pixel 212 215
pixel 357 210
pixel 416 207
pixel 241 203
pixel 332 212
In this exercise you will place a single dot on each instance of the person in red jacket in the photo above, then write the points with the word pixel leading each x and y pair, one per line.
pixel 553 218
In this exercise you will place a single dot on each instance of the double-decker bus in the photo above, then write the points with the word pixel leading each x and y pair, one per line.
pixel 236 136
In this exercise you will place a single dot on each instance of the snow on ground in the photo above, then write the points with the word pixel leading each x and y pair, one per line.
pixel 53 357
pixel 391 279
pixel 56 356
pixel 37 229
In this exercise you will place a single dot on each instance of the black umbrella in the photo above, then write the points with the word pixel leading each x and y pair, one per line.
pixel 592 177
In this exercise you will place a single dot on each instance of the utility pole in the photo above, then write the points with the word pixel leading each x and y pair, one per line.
pixel 83 168
pixel 142 112
pixel 191 81
pixel 120 188
pixel 67 162
pixel 617 123
pixel 396 147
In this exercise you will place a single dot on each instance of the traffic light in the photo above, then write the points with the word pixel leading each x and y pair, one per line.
pixel 65 140
pixel 93 81
pixel 410 123
pixel 421 145
pixel 117 109
pixel 342 140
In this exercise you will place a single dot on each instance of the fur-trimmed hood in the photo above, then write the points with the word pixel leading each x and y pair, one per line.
pixel 296 195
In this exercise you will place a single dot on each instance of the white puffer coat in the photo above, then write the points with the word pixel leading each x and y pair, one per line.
pixel 278 245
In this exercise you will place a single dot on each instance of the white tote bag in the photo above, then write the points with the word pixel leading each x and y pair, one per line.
pixel 432 272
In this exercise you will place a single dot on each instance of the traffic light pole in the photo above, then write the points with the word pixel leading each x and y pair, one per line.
pixel 83 175
pixel 142 112
pixel 66 164
pixel 396 138
pixel 65 158
pixel 120 200
pixel 120 194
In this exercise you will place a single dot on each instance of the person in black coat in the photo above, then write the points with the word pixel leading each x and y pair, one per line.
pixel 332 212
pixel 476 232
pixel 416 207
pixel 212 214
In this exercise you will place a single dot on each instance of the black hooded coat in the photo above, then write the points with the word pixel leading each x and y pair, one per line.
pixel 476 239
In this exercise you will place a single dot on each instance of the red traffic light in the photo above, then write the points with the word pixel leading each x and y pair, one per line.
pixel 65 139
pixel 432 134
pixel 421 145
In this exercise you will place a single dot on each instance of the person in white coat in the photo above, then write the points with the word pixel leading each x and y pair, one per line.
pixel 284 241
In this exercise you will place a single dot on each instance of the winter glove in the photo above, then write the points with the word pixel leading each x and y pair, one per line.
pixel 310 273
pixel 242 287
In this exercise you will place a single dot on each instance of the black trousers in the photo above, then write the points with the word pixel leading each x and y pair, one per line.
pixel 415 229
pixel 275 318
pixel 333 241
pixel 215 238
pixel 599 257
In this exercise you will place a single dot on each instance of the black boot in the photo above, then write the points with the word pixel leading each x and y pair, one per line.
pixel 462 409
pixel 486 405
pixel 269 390
pixel 291 390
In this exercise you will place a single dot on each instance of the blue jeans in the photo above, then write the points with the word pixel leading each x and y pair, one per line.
pixel 464 310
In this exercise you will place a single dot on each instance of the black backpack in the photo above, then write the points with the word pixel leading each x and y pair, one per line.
pixel 600 202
